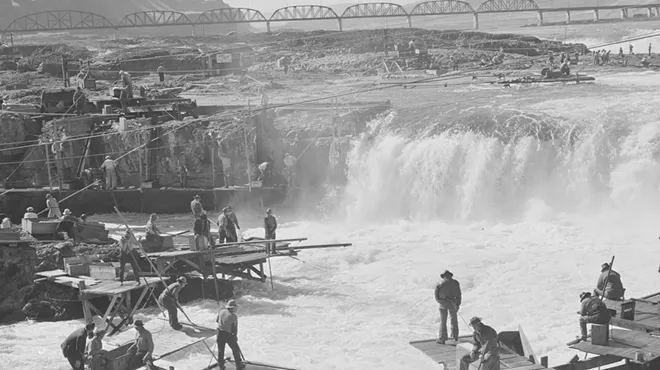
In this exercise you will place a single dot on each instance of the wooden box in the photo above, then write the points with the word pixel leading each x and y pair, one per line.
pixel 118 358
pixel 105 271
pixel 628 310
pixel 600 334
pixel 92 230
pixel 168 242
pixel 40 226
pixel 76 266
pixel 89 83
pixel 9 235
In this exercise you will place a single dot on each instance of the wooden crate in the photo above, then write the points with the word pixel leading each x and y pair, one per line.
pixel 76 266
pixel 600 334
pixel 92 230
pixel 118 358
pixel 628 310
pixel 40 226
pixel 104 271
pixel 9 235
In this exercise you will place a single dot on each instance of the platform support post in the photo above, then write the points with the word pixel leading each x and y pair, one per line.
pixel 86 309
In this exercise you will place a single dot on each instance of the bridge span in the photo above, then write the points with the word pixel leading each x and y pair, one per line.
pixel 73 20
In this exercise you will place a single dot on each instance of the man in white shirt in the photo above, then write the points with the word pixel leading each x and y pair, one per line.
pixel 110 173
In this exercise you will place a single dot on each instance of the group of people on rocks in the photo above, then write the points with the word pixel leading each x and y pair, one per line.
pixel 485 339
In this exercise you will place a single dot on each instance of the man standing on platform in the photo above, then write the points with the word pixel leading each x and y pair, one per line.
pixel 196 207
pixel 170 300
pixel 110 173
pixel 53 207
pixel 161 72
pixel 129 252
pixel 228 334
pixel 73 347
pixel 228 226
pixel 143 346
pixel 270 226
pixel 486 343
pixel 448 296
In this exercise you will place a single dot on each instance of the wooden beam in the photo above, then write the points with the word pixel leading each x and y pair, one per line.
pixel 632 325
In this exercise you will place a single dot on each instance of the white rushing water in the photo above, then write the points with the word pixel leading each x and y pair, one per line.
pixel 523 224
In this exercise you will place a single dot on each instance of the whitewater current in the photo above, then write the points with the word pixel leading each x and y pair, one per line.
pixel 521 201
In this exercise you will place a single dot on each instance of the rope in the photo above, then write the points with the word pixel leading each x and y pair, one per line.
pixel 20 164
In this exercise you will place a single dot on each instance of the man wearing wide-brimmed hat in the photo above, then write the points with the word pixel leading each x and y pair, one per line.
pixel 228 226
pixel 170 300
pixel 196 207
pixel 614 290
pixel 448 296
pixel 592 311
pixel 486 347
pixel 144 346
pixel 270 227
pixel 228 334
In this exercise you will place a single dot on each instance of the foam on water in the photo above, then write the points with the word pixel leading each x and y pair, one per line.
pixel 522 208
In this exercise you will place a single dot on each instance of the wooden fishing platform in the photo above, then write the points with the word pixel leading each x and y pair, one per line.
pixel 515 352
pixel 119 294
pixel 624 345
pixel 640 314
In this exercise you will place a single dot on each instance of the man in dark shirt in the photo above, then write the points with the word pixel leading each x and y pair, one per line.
pixel 592 311
pixel 448 296
pixel 614 289
pixel 486 347
pixel 74 345
pixel 270 226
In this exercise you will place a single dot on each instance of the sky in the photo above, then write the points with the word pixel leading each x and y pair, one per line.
pixel 266 5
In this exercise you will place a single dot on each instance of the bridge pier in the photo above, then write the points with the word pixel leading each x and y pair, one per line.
pixel 268 26
pixel 568 17
pixel 341 26
pixel 649 12
pixel 624 13
pixel 193 31
pixel 539 18
pixel 409 21
pixel 596 17
pixel 475 20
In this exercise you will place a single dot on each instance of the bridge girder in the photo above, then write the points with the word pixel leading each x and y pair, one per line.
pixel 59 20
pixel 303 12
pixel 155 18
pixel 507 5
pixel 231 15
pixel 442 7
pixel 374 10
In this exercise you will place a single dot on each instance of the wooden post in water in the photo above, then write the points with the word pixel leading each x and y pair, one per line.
pixel 247 155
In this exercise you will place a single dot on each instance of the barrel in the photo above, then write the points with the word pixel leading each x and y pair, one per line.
pixel 107 109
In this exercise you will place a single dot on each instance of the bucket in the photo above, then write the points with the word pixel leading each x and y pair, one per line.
pixel 107 109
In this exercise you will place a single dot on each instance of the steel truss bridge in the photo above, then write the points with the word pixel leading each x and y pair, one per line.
pixel 72 20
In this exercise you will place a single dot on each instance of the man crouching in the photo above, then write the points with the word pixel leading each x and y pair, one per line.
pixel 486 343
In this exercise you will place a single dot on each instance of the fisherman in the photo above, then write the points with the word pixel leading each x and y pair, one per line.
pixel 630 49
pixel 228 334
pixel 109 167
pixel 153 232
pixel 614 290
pixel 226 169
pixel 264 173
pixel 593 311
pixel 69 224
pixel 29 213
pixel 486 347
pixel 649 49
pixel 228 226
pixel 448 296
pixel 196 207
pixel 94 352
pixel 143 346
pixel 129 252
pixel 53 207
pixel 5 222
pixel 206 228
pixel 161 72
pixel 270 226
pixel 201 242
pixel 290 163
pixel 79 101
pixel 183 170
pixel 127 83
pixel 73 347
pixel 565 69
pixel 170 300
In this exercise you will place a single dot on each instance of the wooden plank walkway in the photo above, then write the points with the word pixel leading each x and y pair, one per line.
pixel 448 354
pixel 113 287
pixel 624 343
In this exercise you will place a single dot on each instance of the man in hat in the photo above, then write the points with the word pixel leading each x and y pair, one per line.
pixel 228 334
pixel 53 207
pixel 129 253
pixel 143 346
pixel 69 225
pixel 486 347
pixel 228 226
pixel 196 207
pixel 73 347
pixel 448 296
pixel 592 311
pixel 109 167
pixel 161 72
pixel 94 352
pixel 29 213
pixel 270 225
pixel 614 289
pixel 153 232
pixel 170 300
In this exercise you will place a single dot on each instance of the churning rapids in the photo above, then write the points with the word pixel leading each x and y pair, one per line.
pixel 522 200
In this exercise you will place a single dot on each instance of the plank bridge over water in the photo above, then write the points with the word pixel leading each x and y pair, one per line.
pixel 72 20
